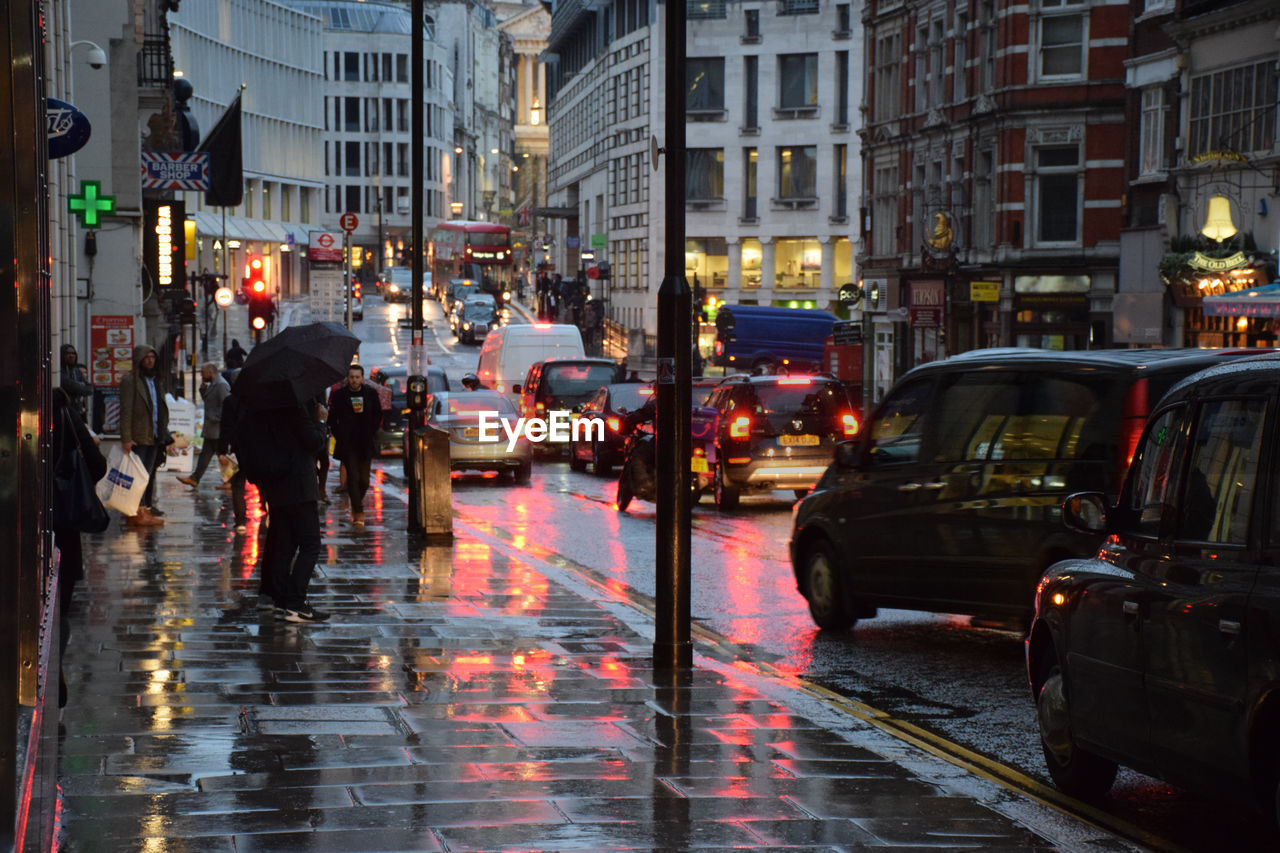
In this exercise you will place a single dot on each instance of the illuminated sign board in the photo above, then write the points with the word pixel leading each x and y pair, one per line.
pixel 164 246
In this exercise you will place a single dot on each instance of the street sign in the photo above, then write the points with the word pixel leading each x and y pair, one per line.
pixel 349 222
pixel 224 296
pixel 324 246
pixel 68 128
pixel 165 171
pixel 984 291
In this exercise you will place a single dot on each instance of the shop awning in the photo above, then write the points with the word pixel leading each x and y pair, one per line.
pixel 1263 301
pixel 209 224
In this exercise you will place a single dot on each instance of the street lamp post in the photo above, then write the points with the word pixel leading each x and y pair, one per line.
pixel 377 186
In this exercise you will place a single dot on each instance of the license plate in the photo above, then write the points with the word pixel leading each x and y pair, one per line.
pixel 471 432
pixel 700 465
pixel 799 440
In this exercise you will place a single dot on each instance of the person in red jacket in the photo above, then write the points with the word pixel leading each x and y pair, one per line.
pixel 355 413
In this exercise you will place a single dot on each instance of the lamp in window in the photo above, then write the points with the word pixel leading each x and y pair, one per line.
pixel 535 112
pixel 1217 221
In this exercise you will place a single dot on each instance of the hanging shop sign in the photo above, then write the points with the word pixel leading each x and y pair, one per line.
pixel 68 128
pixel 1202 261
pixel 928 300
pixel 164 245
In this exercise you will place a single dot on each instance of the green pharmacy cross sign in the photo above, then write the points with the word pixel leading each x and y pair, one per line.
pixel 91 204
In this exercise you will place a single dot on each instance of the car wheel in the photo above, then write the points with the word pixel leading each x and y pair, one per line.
pixel 726 496
pixel 576 464
pixel 824 590
pixel 624 492
pixel 523 472
pixel 1075 771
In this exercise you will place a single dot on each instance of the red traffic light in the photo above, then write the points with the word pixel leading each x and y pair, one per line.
pixel 258 286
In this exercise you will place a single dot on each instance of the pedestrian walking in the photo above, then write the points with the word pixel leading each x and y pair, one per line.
pixel 227 418
pixel 144 426
pixel 235 356
pixel 355 413
pixel 214 391
pixel 75 383
pixel 290 437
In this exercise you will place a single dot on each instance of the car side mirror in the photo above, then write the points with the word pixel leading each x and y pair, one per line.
pixel 1085 512
pixel 515 389
pixel 848 454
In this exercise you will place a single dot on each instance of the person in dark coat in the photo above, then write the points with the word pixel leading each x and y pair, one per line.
pixel 355 414
pixel 227 421
pixel 75 383
pixel 235 356
pixel 67 432
pixel 144 425
pixel 295 435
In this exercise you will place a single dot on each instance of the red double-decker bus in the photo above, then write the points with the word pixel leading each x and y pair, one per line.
pixel 479 251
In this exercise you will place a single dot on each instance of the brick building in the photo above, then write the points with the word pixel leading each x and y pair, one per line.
pixel 993 148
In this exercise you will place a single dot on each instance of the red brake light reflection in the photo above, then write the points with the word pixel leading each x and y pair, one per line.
pixel 614 424
pixel 850 424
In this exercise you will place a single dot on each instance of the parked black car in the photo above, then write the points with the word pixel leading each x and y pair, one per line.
pixel 949 500
pixel 1160 651
pixel 611 403
pixel 777 432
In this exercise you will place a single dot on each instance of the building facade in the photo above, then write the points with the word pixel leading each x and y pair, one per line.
pixel 367 52
pixel 993 144
pixel 528 25
pixel 1203 177
pixel 271 56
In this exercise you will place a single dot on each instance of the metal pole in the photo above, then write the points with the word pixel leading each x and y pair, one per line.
pixel 226 270
pixel 417 355
pixel 672 646
pixel 346 271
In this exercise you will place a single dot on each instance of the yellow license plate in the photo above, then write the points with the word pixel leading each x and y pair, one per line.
pixel 700 465
pixel 799 440
pixel 471 432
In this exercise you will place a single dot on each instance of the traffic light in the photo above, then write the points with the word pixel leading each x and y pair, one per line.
pixel 261 309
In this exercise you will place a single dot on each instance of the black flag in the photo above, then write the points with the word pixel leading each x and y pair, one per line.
pixel 226 169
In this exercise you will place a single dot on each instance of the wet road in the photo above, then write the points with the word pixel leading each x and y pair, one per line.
pixel 966 683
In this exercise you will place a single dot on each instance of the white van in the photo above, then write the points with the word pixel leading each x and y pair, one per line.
pixel 509 352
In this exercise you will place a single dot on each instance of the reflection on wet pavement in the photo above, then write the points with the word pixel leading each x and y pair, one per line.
pixel 459 699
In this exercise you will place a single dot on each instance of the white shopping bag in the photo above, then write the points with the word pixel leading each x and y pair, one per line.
pixel 124 484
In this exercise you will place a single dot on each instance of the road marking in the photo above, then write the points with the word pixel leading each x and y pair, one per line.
pixel 727 650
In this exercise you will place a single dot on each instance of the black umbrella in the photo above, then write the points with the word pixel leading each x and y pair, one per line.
pixel 296 365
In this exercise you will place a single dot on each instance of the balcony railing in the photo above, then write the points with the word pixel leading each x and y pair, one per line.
pixel 155 63
pixel 705 9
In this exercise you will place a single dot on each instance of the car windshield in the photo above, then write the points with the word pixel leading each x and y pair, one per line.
pixel 476 401
pixel 628 398
pixel 398 275
pixel 798 397
pixel 478 310
pixel 564 380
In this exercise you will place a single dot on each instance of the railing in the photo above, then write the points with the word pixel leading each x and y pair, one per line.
pixel 155 63
pixel 615 340
pixel 705 9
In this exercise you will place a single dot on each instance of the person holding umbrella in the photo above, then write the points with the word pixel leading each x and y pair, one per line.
pixel 279 433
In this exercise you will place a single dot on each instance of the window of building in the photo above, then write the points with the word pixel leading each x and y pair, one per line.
pixel 353 199
pixel 1152 131
pixel 797 80
pixel 706 260
pixel 706 84
pixel 751 25
pixel 351 114
pixel 704 9
pixel 798 7
pixel 286 205
pixel 386 67
pixel 884 213
pixel 402 68
pixel 888 80
pixel 1057 194
pixel 842 88
pixel 352 157
pixel 1062 37
pixel 371 115
pixel 841 206
pixel 797 263
pixel 750 158
pixel 1234 109
pixel 987 36
pixel 402 159
pixel 960 58
pixel 705 174
pixel 798 172
pixel 351 66
pixel 388 159
pixel 752 261
pixel 844 21
pixel 937 61
pixel 751 91
pixel 402 115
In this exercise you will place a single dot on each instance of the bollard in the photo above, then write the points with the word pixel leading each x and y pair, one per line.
pixel 435 485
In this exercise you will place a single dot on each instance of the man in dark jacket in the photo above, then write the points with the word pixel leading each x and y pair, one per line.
pixel 214 390
pixel 144 425
pixel 74 382
pixel 355 414
pixel 294 435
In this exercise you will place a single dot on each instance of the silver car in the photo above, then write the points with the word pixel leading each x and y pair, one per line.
pixel 463 414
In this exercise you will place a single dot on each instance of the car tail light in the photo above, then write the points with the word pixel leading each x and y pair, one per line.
pixel 739 460
pixel 539 407
pixel 699 451
pixel 614 424
pixel 849 422
pixel 646 392
pixel 740 427
pixel 1134 415
pixel 542 325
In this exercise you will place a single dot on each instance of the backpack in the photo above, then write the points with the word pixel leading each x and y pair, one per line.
pixel 254 443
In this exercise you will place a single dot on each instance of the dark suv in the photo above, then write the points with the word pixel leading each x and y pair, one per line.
pixel 1159 650
pixel 950 499
pixel 564 384
pixel 777 432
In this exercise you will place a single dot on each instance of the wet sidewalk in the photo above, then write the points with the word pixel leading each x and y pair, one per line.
pixel 463 697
